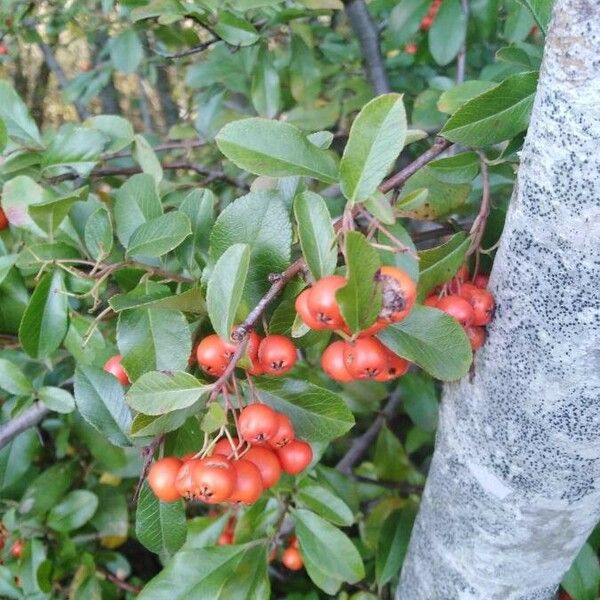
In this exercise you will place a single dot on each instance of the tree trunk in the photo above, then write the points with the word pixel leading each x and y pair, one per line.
pixel 514 486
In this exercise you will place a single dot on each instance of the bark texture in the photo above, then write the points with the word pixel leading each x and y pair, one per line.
pixel 514 486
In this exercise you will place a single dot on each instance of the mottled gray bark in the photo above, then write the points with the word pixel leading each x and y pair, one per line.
pixel 514 486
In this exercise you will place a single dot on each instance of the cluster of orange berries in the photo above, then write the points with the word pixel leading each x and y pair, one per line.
pixel 272 355
pixel 365 357
pixel 429 18
pixel 235 472
pixel 471 304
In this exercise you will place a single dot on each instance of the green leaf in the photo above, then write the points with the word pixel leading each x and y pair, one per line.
pixel 265 89
pixel 447 34
pixel 160 297
pixel 439 264
pixel 73 149
pixel 442 198
pixel 360 298
pixel 393 544
pixel 275 149
pixel 160 235
pixel 13 111
pixel 496 115
pixel 316 234
pixel 159 526
pixel 136 203
pixel 3 136
pixel 325 503
pixel 117 129
pixel 18 194
pixel 95 351
pixel 98 234
pixel 405 20
pixel 100 400
pixel 234 30
pixel 158 393
pixel 144 154
pixel 376 139
pixel 234 572
pixel 325 546
pixel 48 215
pixel 17 456
pixel 13 380
pixel 74 511
pixel 147 425
pixel 433 340
pixel 153 339
pixel 318 414
pixel 34 255
pixel 47 489
pixel 199 206
pixel 45 320
pixel 225 288
pixel 6 264
pixel 419 400
pixel 214 418
pixel 126 51
pixel 111 519
pixel 582 579
pixel 390 460
pixel 57 399
pixel 260 220
pixel 379 206
pixel 451 100
pixel 460 168
pixel 541 11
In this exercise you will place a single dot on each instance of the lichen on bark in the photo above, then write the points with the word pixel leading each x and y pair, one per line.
pixel 514 486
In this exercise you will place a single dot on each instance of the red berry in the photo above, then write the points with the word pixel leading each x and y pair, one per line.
pixel 213 355
pixel 162 476
pixel 114 367
pixel 476 336
pixel 213 478
pixel 252 346
pixel 332 362
pixel 248 483
pixel 365 358
pixel 223 447
pixel 284 434
pixel 482 302
pixel 3 220
pixel 295 457
pixel 277 354
pixel 267 463
pixel 257 423
pixel 399 294
pixel 481 281
pixel 16 550
pixel 397 366
pixel 323 304
pixel 410 48
pixel 225 539
pixel 431 301
pixel 301 306
pixel 292 559
pixel 183 482
pixel 458 308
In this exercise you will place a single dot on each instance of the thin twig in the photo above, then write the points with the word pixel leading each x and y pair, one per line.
pixel 478 227
pixel 148 455
pixel 462 53
pixel 192 50
pixel 30 417
pixel 55 67
pixel 361 444
pixel 368 37
pixel 122 585
pixel 399 178
pixel 168 145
